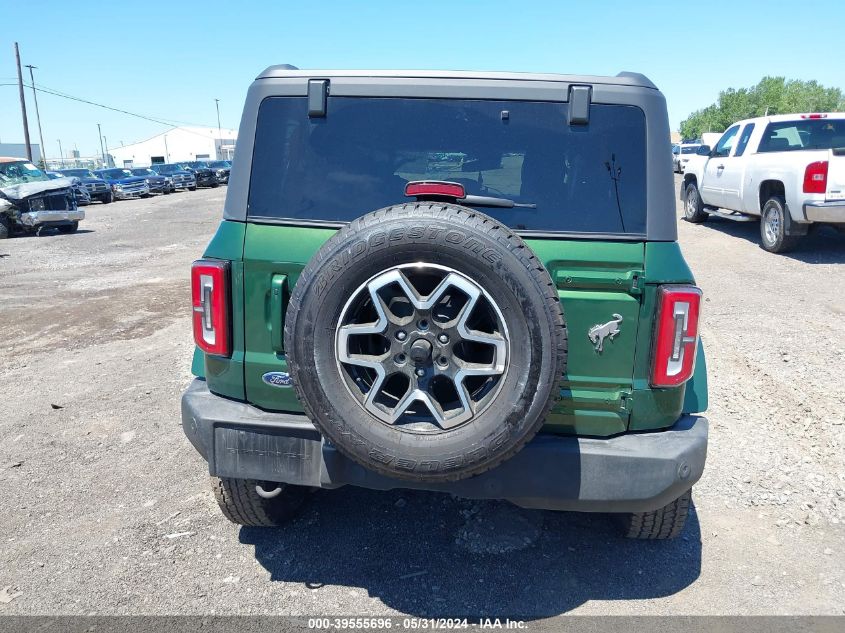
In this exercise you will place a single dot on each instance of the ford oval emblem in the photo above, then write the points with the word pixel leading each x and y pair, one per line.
pixel 277 379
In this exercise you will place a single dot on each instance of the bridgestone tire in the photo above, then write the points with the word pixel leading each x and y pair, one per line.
pixel 241 504
pixel 484 251
pixel 664 523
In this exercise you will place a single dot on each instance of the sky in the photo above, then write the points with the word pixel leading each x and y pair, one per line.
pixel 171 60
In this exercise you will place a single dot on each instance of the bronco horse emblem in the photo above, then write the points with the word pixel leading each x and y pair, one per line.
pixel 601 331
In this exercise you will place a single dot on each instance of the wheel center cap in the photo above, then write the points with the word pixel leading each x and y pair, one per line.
pixel 420 351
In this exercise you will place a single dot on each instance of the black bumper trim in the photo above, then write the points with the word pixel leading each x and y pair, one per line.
pixel 635 472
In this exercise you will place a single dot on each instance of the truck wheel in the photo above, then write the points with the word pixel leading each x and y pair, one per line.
pixel 664 523
pixel 107 198
pixel 773 221
pixel 5 227
pixel 240 502
pixel 192 188
pixel 69 228
pixel 426 342
pixel 693 206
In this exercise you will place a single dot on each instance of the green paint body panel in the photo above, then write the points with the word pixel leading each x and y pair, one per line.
pixel 595 281
pixel 603 393
pixel 270 252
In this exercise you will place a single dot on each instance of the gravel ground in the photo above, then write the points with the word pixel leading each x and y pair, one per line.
pixel 109 511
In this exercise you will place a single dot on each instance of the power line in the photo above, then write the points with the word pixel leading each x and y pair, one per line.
pixel 167 122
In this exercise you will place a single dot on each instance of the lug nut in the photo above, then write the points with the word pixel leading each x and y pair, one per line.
pixel 443 338
pixel 401 336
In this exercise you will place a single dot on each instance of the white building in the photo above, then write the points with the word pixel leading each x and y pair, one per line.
pixel 175 145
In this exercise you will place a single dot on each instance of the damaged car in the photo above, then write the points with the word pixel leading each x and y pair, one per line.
pixel 30 201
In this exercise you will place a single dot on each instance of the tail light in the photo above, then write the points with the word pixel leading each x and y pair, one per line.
pixel 815 177
pixel 676 336
pixel 210 299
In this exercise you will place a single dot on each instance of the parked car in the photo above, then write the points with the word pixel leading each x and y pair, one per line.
pixel 180 178
pixel 221 170
pixel 206 177
pixel 124 184
pixel 31 201
pixel 787 171
pixel 681 153
pixel 79 190
pixel 158 183
pixel 97 188
pixel 518 324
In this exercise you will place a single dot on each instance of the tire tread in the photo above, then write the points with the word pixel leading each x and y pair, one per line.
pixel 661 524
pixel 241 504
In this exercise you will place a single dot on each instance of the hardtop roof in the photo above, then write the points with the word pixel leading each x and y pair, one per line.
pixel 622 79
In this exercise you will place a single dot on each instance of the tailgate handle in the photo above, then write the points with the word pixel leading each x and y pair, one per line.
pixel 278 302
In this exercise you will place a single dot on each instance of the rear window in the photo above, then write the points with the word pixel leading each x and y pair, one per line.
pixel 788 136
pixel 360 156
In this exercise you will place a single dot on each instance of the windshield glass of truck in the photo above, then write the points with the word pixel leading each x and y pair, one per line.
pixel 19 172
pixel 79 173
pixel 358 158
pixel 788 136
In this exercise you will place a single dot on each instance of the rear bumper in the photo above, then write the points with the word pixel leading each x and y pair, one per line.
pixel 833 212
pixel 635 472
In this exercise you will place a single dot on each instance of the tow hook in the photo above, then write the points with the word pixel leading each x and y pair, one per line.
pixel 264 494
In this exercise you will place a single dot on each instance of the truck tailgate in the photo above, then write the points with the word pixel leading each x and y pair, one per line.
pixel 836 175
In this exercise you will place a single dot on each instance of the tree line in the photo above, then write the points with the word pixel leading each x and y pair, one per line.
pixel 773 95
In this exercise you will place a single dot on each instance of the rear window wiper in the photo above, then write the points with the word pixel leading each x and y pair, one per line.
pixel 488 201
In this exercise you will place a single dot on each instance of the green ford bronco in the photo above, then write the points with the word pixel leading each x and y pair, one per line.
pixel 450 281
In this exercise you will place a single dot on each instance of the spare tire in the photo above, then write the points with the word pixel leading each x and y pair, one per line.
pixel 426 342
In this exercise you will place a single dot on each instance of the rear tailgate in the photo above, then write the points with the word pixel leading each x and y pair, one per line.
pixel 836 175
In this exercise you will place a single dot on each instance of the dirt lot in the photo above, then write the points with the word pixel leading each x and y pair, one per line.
pixel 107 508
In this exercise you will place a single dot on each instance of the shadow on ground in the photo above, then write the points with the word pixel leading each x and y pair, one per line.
pixel 50 231
pixel 426 554
pixel 822 245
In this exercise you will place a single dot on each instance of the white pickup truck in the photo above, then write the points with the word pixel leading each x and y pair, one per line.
pixel 788 170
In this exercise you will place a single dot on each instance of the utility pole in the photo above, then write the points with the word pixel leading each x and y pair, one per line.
pixel 106 141
pixel 61 155
pixel 23 105
pixel 102 151
pixel 219 133
pixel 166 154
pixel 37 115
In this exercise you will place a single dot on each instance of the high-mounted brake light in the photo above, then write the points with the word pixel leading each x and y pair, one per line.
pixel 813 116
pixel 210 305
pixel 435 188
pixel 815 177
pixel 676 335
